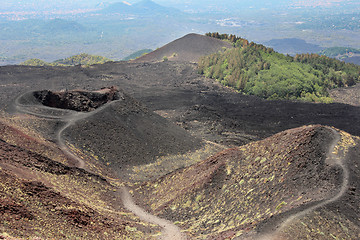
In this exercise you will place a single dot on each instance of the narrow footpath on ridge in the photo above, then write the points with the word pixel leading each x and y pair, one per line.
pixel 332 160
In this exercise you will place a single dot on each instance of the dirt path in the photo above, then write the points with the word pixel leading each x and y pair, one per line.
pixel 68 118
pixel 169 232
pixel 331 160
pixel 64 148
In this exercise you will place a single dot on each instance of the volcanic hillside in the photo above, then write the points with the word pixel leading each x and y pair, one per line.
pixel 201 158
pixel 110 127
pixel 254 189
pixel 348 95
pixel 42 197
pixel 188 48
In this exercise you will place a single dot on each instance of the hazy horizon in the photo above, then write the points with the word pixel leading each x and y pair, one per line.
pixel 27 29
pixel 199 5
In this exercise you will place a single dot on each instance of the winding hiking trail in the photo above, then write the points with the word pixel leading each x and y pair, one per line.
pixel 64 148
pixel 331 160
pixel 68 117
pixel 170 231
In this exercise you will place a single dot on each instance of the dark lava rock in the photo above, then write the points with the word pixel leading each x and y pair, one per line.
pixel 82 101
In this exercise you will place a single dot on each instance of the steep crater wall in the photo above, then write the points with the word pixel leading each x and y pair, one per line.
pixel 77 100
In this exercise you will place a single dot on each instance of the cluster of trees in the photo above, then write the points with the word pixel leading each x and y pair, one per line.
pixel 83 59
pixel 254 69
pixel 232 38
pixel 80 59
pixel 339 73
pixel 35 62
pixel 238 41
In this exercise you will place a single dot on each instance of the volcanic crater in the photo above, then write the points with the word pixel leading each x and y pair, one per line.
pixel 78 100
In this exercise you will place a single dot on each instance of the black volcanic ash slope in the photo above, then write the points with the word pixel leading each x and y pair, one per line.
pixel 188 48
pixel 109 127
pixel 198 103
pixel 125 134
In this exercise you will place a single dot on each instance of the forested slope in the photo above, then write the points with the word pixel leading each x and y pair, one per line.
pixel 257 70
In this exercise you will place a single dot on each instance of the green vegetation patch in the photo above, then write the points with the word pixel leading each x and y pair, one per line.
pixel 257 70
pixel 35 62
pixel 80 59
pixel 83 59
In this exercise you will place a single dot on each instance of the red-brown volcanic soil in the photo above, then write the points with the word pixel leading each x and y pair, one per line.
pixel 43 198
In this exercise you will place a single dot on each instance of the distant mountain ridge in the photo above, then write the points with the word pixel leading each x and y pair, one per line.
pixel 115 7
pixel 142 7
pixel 346 54
pixel 337 51
pixel 292 46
